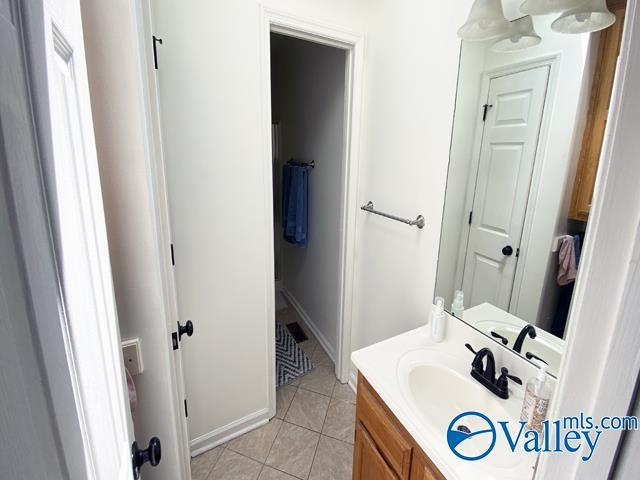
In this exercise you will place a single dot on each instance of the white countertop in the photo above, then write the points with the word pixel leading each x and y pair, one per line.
pixel 379 364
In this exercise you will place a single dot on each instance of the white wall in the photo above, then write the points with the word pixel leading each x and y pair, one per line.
pixel 308 91
pixel 113 68
pixel 467 115
pixel 410 73
pixel 211 89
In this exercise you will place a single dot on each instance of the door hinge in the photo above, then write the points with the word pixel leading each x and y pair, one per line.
pixel 186 409
pixel 174 340
pixel 517 252
pixel 173 258
pixel 470 216
pixel 156 40
pixel 485 109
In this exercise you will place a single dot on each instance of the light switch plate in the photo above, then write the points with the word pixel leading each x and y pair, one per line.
pixel 132 355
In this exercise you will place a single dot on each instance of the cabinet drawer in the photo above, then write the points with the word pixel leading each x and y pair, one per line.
pixel 390 442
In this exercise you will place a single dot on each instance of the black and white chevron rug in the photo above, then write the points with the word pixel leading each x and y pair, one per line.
pixel 291 361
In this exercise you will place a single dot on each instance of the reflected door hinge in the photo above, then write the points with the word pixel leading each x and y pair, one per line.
pixel 156 40
pixel 470 217
pixel 186 409
pixel 174 341
pixel 485 110
pixel 173 258
pixel 517 252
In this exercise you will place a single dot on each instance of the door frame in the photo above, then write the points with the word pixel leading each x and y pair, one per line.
pixel 553 62
pixel 353 43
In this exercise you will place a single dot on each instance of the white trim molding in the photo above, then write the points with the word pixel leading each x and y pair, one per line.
pixel 598 374
pixel 229 431
pixel 322 340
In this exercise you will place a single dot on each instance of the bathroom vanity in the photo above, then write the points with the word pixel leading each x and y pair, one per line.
pixel 410 391
pixel 383 448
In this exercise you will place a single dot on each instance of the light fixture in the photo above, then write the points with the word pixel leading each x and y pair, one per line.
pixel 521 35
pixel 486 21
pixel 543 7
pixel 590 16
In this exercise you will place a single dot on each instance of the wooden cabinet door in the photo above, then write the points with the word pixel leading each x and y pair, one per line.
pixel 423 469
pixel 368 464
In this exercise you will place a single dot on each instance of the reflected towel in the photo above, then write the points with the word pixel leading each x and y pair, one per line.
pixel 566 261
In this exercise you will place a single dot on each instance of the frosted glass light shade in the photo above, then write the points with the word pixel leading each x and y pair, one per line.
pixel 521 35
pixel 542 7
pixel 590 16
pixel 486 21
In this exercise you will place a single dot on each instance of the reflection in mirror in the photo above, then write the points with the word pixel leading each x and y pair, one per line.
pixel 529 122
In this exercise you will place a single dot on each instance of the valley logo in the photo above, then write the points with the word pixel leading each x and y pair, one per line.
pixel 472 436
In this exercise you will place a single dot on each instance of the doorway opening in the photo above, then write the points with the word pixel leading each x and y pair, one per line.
pixel 312 99
pixel 308 85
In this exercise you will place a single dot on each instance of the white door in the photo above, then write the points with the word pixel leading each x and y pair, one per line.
pixel 82 250
pixel 510 138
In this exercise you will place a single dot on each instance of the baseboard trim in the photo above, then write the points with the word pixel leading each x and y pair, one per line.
pixel 353 379
pixel 324 343
pixel 228 432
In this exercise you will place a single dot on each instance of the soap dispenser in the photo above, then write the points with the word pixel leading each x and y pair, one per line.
pixel 457 307
pixel 536 399
pixel 438 318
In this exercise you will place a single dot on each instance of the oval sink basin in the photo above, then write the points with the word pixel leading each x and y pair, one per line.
pixel 438 387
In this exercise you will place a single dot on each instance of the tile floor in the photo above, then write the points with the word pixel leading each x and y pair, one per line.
pixel 311 436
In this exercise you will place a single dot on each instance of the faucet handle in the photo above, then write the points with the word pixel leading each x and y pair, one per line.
pixel 502 383
pixel 505 374
pixel 470 348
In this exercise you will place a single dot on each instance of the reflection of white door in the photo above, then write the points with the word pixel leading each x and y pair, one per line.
pixel 510 138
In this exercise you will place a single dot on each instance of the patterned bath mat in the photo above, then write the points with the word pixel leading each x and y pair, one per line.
pixel 291 361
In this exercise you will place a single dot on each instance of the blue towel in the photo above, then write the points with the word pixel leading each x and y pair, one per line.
pixel 295 202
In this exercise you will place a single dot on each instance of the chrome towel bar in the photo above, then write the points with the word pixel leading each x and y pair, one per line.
pixel 418 222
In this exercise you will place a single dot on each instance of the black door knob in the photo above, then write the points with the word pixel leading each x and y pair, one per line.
pixel 186 328
pixel 508 250
pixel 151 454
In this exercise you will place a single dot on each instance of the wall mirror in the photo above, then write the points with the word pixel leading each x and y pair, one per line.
pixel 530 114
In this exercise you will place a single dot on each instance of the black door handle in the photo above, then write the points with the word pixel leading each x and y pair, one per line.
pixel 152 454
pixel 508 250
pixel 186 328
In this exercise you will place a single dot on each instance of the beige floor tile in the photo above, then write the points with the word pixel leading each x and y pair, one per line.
pixel 202 465
pixel 343 391
pixel 284 395
pixel 333 460
pixel 293 450
pixel 257 443
pixel 233 466
pixel 320 357
pixel 320 380
pixel 340 421
pixel 308 409
pixel 309 346
pixel 269 473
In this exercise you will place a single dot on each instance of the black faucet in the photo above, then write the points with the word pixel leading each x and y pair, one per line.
pixel 486 375
pixel 527 330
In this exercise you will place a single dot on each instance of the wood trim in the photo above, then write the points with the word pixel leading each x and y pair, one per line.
pixel 593 137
